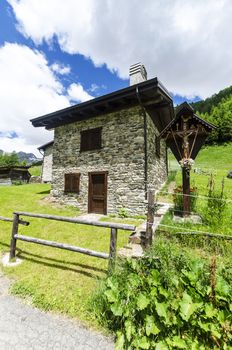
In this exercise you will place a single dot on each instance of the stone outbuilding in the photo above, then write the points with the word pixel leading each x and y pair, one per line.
pixel 47 151
pixel 107 152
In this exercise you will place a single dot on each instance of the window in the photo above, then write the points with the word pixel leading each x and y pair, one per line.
pixel 91 139
pixel 72 183
pixel 157 146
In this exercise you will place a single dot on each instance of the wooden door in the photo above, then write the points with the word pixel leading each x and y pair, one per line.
pixel 97 193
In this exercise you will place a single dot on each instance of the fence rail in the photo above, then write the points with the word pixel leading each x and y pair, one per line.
pixel 78 221
pixel 21 222
pixel 113 235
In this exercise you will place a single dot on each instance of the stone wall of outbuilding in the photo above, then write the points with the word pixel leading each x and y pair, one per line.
pixel 121 155
pixel 47 164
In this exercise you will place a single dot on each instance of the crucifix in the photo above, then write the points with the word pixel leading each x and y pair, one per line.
pixel 185 135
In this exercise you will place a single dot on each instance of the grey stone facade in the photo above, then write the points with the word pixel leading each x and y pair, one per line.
pixel 121 155
pixel 157 166
pixel 47 164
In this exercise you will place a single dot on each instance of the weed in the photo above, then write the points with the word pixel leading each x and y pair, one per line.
pixel 149 308
pixel 123 213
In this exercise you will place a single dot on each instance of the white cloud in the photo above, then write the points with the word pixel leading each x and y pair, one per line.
pixel 60 68
pixel 28 89
pixel 77 93
pixel 94 87
pixel 186 43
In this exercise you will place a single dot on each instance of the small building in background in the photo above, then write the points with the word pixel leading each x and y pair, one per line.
pixel 14 175
pixel 46 150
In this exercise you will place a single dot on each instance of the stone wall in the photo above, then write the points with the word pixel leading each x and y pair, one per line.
pixel 121 155
pixel 157 166
pixel 47 164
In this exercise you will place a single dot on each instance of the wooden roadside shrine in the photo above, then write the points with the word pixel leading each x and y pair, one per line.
pixel 185 135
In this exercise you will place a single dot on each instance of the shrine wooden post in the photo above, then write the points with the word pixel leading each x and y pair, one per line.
pixel 186 190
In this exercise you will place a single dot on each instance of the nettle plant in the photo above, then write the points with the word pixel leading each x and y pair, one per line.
pixel 216 204
pixel 149 309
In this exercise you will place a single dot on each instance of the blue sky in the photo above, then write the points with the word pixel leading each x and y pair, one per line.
pixel 55 53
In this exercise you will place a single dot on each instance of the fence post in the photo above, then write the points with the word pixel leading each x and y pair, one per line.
pixel 113 248
pixel 14 232
pixel 150 218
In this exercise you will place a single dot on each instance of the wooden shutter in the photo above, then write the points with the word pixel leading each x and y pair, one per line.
pixel 90 139
pixel 72 182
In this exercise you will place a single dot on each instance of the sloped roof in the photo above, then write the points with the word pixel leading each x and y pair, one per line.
pixel 182 110
pixel 151 94
pixel 195 144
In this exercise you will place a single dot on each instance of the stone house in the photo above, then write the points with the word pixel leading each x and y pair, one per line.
pixel 107 152
pixel 47 151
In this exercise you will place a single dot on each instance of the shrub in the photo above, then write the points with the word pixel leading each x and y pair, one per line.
pixel 178 199
pixel 180 303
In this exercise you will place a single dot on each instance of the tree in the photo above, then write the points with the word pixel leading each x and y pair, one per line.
pixel 9 159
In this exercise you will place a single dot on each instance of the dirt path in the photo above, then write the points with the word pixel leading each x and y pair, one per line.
pixel 24 327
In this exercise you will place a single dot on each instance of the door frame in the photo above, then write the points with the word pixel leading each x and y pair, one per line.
pixel 90 186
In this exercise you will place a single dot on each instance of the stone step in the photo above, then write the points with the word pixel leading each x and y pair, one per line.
pixel 131 251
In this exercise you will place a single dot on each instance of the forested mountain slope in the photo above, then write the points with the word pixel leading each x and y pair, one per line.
pixel 217 109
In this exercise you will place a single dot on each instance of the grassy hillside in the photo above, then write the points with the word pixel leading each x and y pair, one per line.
pixel 216 160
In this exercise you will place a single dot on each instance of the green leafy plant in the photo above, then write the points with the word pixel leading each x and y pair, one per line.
pixel 149 309
pixel 178 199
pixel 122 213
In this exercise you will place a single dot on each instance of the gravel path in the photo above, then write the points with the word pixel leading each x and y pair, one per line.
pixel 24 327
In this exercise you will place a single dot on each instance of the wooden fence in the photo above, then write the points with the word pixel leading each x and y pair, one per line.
pixel 21 222
pixel 114 227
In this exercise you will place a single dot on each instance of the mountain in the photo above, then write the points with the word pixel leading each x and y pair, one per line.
pixel 15 158
pixel 217 110
pixel 28 157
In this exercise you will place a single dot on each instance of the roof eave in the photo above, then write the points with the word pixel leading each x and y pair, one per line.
pixel 48 120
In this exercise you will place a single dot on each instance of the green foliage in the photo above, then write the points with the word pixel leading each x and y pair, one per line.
pixel 122 213
pixel 215 205
pixel 9 159
pixel 205 106
pixel 218 110
pixel 150 308
pixel 171 176
pixel 178 199
pixel 35 170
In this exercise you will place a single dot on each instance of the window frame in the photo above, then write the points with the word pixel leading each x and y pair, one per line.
pixel 71 188
pixel 87 144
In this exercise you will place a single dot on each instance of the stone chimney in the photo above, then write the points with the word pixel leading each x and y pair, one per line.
pixel 138 73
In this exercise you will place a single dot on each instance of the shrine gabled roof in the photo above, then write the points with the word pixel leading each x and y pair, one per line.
pixel 186 109
pixel 151 94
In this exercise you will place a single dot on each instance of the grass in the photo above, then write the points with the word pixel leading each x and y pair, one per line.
pixel 35 170
pixel 50 278
pixel 216 160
